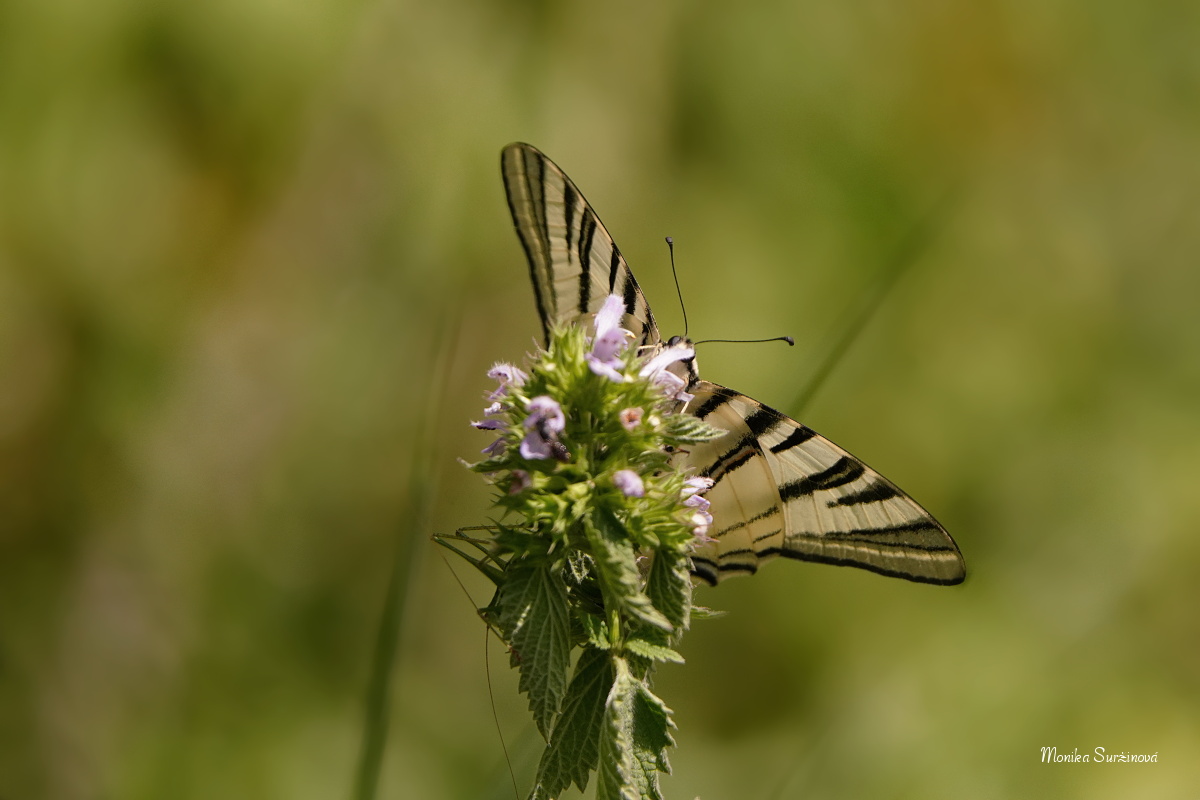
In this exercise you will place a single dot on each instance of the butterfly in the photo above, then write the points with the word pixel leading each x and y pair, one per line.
pixel 779 488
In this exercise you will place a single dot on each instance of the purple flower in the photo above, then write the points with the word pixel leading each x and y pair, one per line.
pixel 629 482
pixel 497 447
pixel 604 369
pixel 507 375
pixel 490 424
pixel 544 423
pixel 656 369
pixel 700 518
pixel 610 340
pixel 631 418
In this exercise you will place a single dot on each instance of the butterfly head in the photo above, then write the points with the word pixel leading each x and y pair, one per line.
pixel 685 368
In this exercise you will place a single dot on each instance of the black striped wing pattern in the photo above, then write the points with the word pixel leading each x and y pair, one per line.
pixel 779 488
pixel 573 262
pixel 782 490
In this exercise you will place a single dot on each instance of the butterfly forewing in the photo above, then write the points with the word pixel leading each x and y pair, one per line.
pixel 780 489
pixel 573 262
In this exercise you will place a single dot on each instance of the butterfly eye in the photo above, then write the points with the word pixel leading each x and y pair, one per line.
pixel 674 340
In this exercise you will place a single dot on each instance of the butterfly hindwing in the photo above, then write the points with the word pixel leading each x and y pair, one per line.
pixel 782 490
pixel 573 262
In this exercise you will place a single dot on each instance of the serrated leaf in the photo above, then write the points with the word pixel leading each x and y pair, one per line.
pixel 652 726
pixel 616 566
pixel 686 429
pixel 596 631
pixel 532 612
pixel 618 772
pixel 634 740
pixel 704 612
pixel 652 651
pixel 669 587
pixel 575 741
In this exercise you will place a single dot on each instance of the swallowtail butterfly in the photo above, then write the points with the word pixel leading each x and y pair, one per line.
pixel 779 488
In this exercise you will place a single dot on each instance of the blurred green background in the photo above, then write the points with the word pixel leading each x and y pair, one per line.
pixel 237 239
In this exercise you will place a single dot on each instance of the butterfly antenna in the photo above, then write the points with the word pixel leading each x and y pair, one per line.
pixel 791 342
pixel 678 291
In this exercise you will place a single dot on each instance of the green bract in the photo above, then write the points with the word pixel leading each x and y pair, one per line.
pixel 591 553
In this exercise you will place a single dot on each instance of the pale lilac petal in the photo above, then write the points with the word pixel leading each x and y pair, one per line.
pixel 545 414
pixel 696 484
pixel 534 446
pixel 629 482
pixel 507 374
pixel 697 502
pixel 544 423
pixel 496 448
pixel 631 418
pixel 672 386
pixel 611 338
pixel 666 358
pixel 609 316
pixel 606 348
pixel 656 369
pixel 604 369
pixel 488 424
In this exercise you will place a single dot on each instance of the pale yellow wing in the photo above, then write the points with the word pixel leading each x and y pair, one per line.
pixel 782 490
pixel 573 262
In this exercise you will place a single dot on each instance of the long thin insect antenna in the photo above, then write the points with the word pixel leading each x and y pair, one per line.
pixel 467 594
pixel 487 661
pixel 678 291
pixel 487 668
pixel 791 342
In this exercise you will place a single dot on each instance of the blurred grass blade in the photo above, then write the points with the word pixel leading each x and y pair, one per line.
pixel 915 244
pixel 422 489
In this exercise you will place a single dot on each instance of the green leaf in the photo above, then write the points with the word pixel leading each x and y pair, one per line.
pixel 704 612
pixel 616 777
pixel 652 726
pixel 669 587
pixel 652 651
pixel 596 631
pixel 634 740
pixel 532 612
pixel 575 741
pixel 686 429
pixel 616 566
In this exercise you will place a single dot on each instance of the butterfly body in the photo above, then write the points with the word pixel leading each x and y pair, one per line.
pixel 779 488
